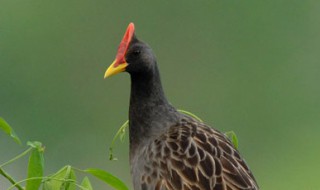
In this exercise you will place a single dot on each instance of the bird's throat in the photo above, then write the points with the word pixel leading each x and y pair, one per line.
pixel 148 107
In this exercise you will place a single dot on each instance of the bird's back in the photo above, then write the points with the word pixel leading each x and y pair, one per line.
pixel 191 155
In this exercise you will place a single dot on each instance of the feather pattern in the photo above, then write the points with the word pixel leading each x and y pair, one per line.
pixel 191 155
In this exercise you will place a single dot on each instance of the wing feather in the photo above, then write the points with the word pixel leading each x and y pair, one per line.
pixel 194 156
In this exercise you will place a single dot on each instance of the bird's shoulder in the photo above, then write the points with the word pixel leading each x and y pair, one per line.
pixel 192 155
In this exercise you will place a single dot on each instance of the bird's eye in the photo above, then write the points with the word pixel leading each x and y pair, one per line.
pixel 136 52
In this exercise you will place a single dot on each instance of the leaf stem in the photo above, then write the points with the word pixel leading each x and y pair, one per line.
pixel 119 132
pixel 78 169
pixel 190 114
pixel 81 187
pixel 17 157
pixel 43 178
pixel 9 178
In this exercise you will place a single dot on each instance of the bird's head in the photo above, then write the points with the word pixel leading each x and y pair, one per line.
pixel 133 56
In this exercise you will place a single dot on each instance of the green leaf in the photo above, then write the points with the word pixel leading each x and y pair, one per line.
pixel 86 183
pixel 35 167
pixel 60 180
pixel 71 184
pixel 233 138
pixel 37 145
pixel 107 178
pixel 7 129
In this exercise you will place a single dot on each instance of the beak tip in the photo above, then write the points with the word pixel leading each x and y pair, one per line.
pixel 106 75
pixel 114 70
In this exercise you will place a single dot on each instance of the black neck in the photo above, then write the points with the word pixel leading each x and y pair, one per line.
pixel 148 106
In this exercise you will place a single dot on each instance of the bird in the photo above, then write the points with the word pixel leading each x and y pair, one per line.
pixel 169 150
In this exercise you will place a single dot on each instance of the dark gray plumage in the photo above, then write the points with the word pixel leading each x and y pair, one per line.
pixel 169 150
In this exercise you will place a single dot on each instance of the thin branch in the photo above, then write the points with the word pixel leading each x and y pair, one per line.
pixel 4 174
pixel 17 157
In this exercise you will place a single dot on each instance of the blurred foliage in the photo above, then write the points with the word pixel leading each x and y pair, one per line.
pixel 64 179
pixel 247 66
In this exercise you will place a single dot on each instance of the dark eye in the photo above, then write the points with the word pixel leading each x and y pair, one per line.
pixel 136 52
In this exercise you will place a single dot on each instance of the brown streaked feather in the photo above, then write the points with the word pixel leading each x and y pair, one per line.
pixel 193 156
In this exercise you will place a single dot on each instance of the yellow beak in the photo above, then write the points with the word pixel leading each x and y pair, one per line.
pixel 115 68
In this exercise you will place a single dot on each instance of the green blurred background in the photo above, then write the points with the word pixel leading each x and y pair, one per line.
pixel 248 66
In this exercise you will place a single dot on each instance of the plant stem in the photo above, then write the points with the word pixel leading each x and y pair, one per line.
pixel 119 132
pixel 42 178
pixel 4 174
pixel 7 176
pixel 16 158
pixel 190 114
pixel 77 169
